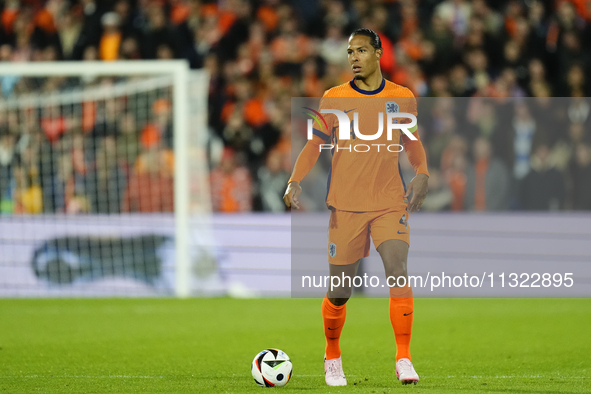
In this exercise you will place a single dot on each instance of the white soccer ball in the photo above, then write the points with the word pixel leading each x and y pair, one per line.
pixel 271 368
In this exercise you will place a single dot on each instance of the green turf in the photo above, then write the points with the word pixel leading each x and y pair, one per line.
pixel 207 345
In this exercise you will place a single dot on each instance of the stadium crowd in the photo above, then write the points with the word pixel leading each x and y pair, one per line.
pixel 463 59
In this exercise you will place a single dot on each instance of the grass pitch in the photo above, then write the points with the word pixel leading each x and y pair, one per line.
pixel 207 345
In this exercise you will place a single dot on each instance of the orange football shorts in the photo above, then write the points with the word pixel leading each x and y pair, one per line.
pixel 349 233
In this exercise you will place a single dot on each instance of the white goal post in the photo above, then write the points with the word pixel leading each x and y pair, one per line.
pixel 185 84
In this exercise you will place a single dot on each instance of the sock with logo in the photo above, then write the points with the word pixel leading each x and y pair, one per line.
pixel 334 319
pixel 401 314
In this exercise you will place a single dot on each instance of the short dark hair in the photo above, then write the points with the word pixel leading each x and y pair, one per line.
pixel 374 38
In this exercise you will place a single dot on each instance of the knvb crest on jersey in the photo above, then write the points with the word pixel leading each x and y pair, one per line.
pixel 332 249
pixel 392 107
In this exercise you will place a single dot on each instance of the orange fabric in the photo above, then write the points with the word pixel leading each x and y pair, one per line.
pixel 229 204
pixel 457 184
pixel 269 17
pixel 401 317
pixel 334 319
pixel 411 48
pixel 44 20
pixel 53 128
pixel 388 59
pixel 409 26
pixel 208 9
pixel 552 35
pixel 367 181
pixel 225 21
pixel 161 105
pixel 290 49
pixel 580 7
pixel 8 17
pixel 416 154
pixel 511 26
pixel 254 112
pixel 109 46
pixel 400 76
pixel 179 13
pixel 150 136
pixel 480 192
pixel 349 233
pixel 231 191
pixel 227 111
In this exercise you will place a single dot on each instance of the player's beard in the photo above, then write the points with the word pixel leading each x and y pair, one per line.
pixel 359 77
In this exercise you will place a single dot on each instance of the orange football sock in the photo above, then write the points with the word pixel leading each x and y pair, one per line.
pixel 401 314
pixel 334 320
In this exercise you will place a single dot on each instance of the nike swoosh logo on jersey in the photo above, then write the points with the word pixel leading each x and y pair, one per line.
pixel 399 232
pixel 408 314
pixel 350 110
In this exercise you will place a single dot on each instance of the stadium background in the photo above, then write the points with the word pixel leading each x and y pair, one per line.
pixel 260 54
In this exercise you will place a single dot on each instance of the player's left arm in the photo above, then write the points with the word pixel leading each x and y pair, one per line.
pixel 416 192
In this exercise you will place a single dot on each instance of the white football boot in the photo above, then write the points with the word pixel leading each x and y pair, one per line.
pixel 405 372
pixel 333 372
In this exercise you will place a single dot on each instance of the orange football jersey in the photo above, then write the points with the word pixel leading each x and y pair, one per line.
pixel 364 174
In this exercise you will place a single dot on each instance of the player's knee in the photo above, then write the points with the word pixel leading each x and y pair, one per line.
pixel 338 301
pixel 396 270
pixel 339 296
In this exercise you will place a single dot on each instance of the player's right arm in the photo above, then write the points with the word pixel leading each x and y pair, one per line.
pixel 306 160
pixel 308 157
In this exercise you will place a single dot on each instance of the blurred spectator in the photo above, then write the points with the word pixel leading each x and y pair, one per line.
pixel 7 158
pixel 156 33
pixel 69 30
pixel 543 188
pixel 231 185
pixel 106 183
pixel 334 45
pixel 290 47
pixel 457 180
pixel 150 187
pixel 272 179
pixel 130 49
pixel 440 197
pixel 581 177
pixel 455 14
pixel 487 181
pixel 524 128
pixel 159 130
pixel 111 38
pixel 62 194
pixel 28 196
pixel 128 144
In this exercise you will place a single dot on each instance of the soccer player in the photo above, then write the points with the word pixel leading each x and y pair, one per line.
pixel 367 197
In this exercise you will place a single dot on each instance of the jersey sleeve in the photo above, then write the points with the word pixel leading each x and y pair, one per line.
pixel 411 104
pixel 322 132
pixel 416 154
pixel 414 149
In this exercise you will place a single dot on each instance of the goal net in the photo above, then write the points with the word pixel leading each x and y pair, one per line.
pixel 104 180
